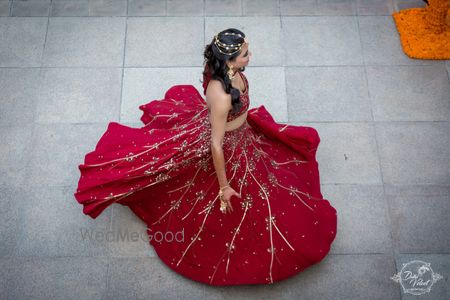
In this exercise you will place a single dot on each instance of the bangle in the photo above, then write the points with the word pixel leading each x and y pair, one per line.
pixel 221 196
pixel 222 187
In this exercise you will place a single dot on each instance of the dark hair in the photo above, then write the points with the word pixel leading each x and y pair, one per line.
pixel 216 67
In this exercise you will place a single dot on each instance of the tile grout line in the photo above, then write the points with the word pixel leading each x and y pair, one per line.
pixel 204 26
pixel 108 262
pixel 283 66
pixel 387 203
pixel 393 5
pixel 133 256
pixel 306 122
pixel 121 93
pixel 196 66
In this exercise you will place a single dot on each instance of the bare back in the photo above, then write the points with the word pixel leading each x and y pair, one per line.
pixel 215 95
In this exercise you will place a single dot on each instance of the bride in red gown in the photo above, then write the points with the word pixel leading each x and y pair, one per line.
pixel 249 211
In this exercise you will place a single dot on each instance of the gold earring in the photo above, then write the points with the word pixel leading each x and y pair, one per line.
pixel 230 73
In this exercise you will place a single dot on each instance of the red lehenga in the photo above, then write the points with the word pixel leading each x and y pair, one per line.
pixel 164 173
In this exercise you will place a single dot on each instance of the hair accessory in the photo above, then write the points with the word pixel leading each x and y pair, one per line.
pixel 236 47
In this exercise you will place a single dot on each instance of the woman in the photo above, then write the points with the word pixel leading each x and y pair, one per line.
pixel 235 194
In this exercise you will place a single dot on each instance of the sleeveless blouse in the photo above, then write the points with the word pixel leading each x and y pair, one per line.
pixel 244 97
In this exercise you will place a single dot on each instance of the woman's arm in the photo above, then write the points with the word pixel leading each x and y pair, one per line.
pixel 220 104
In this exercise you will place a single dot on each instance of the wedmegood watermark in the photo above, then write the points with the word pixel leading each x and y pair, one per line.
pixel 125 235
pixel 416 277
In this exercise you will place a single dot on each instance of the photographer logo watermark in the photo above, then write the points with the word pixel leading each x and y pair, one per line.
pixel 125 235
pixel 416 277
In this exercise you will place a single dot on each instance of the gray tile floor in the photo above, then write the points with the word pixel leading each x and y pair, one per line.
pixel 67 68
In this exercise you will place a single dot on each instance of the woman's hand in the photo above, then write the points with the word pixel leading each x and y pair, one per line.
pixel 228 192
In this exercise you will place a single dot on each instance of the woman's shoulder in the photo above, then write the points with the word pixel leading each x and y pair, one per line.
pixel 215 82
pixel 217 97
pixel 215 89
